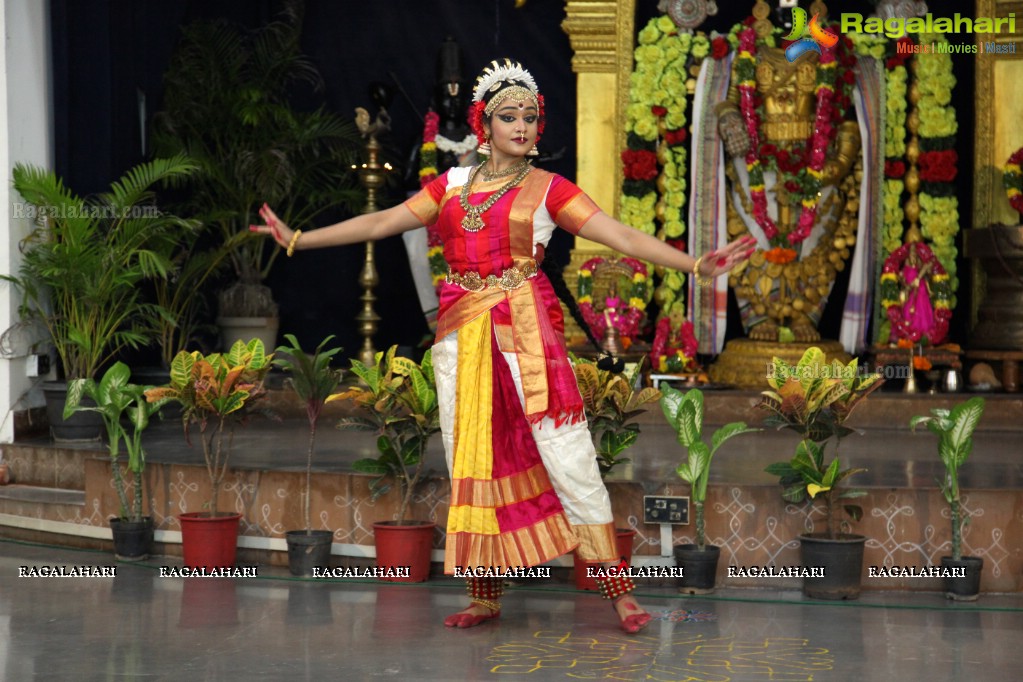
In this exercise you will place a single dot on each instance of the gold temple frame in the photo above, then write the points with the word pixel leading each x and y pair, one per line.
pixel 997 129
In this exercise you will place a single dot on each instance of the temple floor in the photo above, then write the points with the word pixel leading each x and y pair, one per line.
pixel 139 625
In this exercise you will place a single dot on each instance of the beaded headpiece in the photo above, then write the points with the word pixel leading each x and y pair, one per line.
pixel 500 80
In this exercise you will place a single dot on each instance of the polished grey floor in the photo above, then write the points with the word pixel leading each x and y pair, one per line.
pixel 141 626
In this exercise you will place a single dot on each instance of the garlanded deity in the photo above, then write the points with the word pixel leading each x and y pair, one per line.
pixel 797 188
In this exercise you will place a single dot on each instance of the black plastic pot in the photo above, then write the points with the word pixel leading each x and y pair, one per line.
pixel 308 550
pixel 81 427
pixel 840 558
pixel 699 567
pixel 133 540
pixel 967 586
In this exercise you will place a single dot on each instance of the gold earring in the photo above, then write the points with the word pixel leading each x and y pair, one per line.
pixel 484 148
pixel 533 152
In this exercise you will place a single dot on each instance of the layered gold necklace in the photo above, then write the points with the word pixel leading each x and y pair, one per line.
pixel 473 220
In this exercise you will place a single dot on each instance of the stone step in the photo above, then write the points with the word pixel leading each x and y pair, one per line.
pixel 41 462
pixel 41 495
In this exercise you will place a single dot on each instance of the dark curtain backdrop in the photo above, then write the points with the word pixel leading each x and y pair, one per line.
pixel 109 54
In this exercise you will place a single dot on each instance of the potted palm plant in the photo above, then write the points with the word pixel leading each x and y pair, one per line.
pixel 684 412
pixel 226 105
pixel 313 380
pixel 125 412
pixel 397 401
pixel 612 402
pixel 814 399
pixel 954 429
pixel 216 392
pixel 83 267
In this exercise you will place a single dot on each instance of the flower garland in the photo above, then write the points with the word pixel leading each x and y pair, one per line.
pixel 939 206
pixel 896 90
pixel 630 315
pixel 428 150
pixel 1012 179
pixel 674 350
pixel 427 174
pixel 937 161
pixel 941 295
pixel 654 162
pixel 830 106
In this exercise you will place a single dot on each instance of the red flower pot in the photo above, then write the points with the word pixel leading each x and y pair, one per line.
pixel 210 541
pixel 404 546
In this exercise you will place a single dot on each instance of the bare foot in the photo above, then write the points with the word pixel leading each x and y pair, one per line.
pixel 471 616
pixel 632 617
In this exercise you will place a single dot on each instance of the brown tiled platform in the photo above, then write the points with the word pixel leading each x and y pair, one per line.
pixel 905 518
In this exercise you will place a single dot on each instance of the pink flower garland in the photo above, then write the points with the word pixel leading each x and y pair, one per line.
pixel 823 132
pixel 822 135
pixel 747 103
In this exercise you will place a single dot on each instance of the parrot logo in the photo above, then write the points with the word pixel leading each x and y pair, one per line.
pixel 807 37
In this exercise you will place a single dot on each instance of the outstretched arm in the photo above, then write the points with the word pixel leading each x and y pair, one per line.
pixel 606 230
pixel 361 228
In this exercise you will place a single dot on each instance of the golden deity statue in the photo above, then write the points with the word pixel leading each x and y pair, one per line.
pixel 793 171
pixel 805 217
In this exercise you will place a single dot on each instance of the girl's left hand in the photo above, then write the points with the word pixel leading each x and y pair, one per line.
pixel 720 261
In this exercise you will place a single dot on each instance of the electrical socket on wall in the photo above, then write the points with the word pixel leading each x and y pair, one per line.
pixel 38 365
pixel 662 509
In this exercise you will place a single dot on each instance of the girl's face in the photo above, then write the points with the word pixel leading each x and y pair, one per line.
pixel 513 127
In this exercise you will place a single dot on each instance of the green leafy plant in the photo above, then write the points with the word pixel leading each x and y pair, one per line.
pixel 126 414
pixel 226 105
pixel 313 380
pixel 216 392
pixel 612 403
pixel 814 399
pixel 954 429
pixel 684 412
pixel 399 402
pixel 84 265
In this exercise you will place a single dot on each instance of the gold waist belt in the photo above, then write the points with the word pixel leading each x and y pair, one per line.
pixel 512 278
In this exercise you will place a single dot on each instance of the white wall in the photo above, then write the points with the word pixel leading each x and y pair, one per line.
pixel 26 135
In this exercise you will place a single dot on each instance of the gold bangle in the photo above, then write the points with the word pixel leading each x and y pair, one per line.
pixel 293 242
pixel 701 280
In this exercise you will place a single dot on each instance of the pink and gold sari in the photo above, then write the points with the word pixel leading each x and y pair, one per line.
pixel 525 486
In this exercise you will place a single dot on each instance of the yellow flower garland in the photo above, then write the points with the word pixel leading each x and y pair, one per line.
pixel 659 82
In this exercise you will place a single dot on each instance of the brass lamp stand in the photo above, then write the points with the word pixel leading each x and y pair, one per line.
pixel 372 175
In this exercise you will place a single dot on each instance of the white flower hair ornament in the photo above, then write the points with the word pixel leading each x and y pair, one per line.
pixel 500 80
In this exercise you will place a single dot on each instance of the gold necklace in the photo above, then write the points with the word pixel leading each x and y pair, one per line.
pixel 473 220
pixel 494 175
